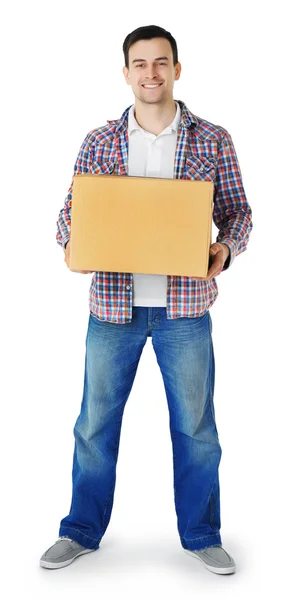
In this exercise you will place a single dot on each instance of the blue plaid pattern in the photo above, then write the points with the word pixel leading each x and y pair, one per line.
pixel 204 151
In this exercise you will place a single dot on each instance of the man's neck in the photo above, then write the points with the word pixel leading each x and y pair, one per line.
pixel 155 117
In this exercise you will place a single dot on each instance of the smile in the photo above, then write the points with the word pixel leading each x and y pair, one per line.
pixel 151 86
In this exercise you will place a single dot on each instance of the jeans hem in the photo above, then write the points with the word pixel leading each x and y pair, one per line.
pixel 201 543
pixel 80 537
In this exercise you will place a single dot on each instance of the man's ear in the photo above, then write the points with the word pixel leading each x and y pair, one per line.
pixel 125 72
pixel 178 69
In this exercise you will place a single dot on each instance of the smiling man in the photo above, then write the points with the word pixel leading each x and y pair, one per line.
pixel 157 136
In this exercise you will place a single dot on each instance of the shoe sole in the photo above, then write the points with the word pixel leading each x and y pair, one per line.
pixel 218 570
pixel 52 565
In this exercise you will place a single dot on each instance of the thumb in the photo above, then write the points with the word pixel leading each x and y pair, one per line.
pixel 215 248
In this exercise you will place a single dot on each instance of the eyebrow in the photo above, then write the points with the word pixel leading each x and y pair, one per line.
pixel 143 59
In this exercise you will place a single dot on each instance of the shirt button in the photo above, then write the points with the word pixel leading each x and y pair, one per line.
pixel 128 287
pixel 201 168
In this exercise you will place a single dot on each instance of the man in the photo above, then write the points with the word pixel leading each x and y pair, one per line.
pixel 155 137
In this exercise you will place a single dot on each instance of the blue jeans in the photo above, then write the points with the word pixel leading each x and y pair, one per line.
pixel 185 355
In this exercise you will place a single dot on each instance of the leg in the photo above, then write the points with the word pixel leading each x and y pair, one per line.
pixel 112 356
pixel 185 355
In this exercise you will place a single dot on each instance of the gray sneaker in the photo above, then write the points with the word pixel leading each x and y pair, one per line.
pixel 215 559
pixel 62 553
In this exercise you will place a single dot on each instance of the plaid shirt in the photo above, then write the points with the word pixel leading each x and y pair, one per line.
pixel 203 152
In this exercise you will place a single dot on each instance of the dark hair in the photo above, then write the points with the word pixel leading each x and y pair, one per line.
pixel 147 33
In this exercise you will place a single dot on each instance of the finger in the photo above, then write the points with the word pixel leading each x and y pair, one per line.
pixel 213 272
pixel 215 268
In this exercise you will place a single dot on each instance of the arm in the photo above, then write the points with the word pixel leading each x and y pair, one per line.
pixel 82 165
pixel 232 213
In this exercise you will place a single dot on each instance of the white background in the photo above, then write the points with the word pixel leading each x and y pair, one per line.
pixel 62 76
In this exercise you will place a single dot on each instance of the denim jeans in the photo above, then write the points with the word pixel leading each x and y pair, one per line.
pixel 184 352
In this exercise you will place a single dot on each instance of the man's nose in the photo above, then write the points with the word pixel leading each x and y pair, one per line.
pixel 151 72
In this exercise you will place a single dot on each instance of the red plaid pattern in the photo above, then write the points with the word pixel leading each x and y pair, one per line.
pixel 203 152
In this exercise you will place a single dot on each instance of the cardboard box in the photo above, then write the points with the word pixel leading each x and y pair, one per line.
pixel 141 225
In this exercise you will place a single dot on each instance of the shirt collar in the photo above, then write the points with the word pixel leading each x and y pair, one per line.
pixel 188 119
pixel 133 124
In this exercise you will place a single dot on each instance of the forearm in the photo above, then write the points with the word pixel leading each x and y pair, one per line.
pixel 64 221
pixel 232 213
pixel 82 165
pixel 235 234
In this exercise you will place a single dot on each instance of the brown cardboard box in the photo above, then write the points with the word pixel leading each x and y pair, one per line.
pixel 141 225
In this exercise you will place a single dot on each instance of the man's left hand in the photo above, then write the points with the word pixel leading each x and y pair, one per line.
pixel 219 253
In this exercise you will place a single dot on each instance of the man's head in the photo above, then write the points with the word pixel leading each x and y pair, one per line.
pixel 151 56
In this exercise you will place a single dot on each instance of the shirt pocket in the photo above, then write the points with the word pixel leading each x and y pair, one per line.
pixel 200 168
pixel 102 168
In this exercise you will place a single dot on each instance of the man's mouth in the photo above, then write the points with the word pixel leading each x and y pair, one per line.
pixel 152 86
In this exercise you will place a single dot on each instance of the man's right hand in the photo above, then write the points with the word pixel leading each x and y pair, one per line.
pixel 67 259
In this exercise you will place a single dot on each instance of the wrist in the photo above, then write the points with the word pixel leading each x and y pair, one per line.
pixel 226 250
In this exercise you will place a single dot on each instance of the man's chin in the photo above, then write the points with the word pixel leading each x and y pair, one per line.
pixel 153 100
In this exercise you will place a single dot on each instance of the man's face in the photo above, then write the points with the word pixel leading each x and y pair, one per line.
pixel 151 61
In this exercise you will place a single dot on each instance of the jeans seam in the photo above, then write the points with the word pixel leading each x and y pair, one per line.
pixel 210 382
pixel 113 484
pixel 212 511
pixel 105 508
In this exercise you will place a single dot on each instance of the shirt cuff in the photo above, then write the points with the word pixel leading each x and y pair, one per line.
pixel 232 252
pixel 65 242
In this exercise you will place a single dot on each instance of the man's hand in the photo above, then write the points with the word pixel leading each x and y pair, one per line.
pixel 67 259
pixel 219 253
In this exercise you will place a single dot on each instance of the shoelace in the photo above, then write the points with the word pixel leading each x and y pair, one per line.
pixel 64 537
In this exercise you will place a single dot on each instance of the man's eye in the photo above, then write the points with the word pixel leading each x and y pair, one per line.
pixel 161 63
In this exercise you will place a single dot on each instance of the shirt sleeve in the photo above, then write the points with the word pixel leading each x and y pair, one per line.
pixel 231 213
pixel 82 165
